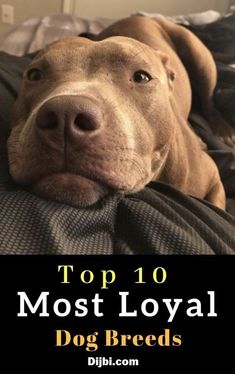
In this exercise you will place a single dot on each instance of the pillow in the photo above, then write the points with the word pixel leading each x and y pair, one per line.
pixel 157 220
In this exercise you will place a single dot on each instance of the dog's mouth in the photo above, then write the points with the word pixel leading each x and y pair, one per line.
pixel 73 189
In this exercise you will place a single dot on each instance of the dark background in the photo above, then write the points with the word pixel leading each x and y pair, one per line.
pixel 204 340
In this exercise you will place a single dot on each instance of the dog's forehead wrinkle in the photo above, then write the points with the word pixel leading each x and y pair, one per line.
pixel 118 53
pixel 109 51
pixel 90 58
pixel 55 60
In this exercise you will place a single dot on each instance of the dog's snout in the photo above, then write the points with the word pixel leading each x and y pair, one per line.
pixel 71 116
pixel 47 119
pixel 85 122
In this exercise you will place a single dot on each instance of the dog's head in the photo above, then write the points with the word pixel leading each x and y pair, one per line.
pixel 91 118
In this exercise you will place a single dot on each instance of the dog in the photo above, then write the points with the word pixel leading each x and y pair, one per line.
pixel 110 115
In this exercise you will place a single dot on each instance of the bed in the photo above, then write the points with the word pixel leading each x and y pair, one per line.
pixel 156 220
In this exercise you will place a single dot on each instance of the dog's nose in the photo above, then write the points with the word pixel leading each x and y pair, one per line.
pixel 72 116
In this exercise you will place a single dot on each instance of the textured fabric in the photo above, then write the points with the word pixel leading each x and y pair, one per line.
pixel 218 36
pixel 201 18
pixel 32 226
pixel 157 220
pixel 35 33
pixel 223 155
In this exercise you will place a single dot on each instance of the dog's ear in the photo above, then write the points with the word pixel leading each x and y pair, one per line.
pixel 169 70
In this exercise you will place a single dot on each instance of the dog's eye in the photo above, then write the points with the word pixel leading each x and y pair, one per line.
pixel 141 76
pixel 34 75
